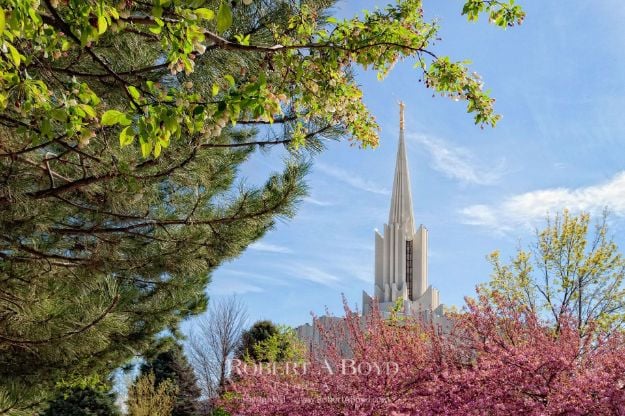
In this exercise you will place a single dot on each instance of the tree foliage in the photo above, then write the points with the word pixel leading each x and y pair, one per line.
pixel 499 359
pixel 59 57
pixel 282 346
pixel 123 125
pixel 148 398
pixel 572 269
pixel 259 332
pixel 91 276
pixel 171 364
pixel 267 342
pixel 102 250
pixel 83 402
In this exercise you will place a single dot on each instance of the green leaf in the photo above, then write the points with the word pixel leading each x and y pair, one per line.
pixel 113 117
pixel 224 17
pixel 230 79
pixel 2 20
pixel 79 111
pixel 146 148
pixel 164 141
pixel 171 123
pixel 157 149
pixel 243 40
pixel 15 55
pixel 102 25
pixel 46 127
pixel 34 15
pixel 204 13
pixel 157 10
pixel 155 29
pixel 88 110
pixel 215 89
pixel 59 114
pixel 134 93
pixel 124 138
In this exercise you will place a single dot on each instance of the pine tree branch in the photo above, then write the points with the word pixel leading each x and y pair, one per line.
pixel 97 320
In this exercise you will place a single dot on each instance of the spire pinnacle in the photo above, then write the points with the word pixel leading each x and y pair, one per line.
pixel 401 200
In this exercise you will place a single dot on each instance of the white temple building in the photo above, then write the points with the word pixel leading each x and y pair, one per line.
pixel 401 257
pixel 401 253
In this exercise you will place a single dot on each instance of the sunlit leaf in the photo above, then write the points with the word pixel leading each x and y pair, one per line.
pixel 102 25
pixel 113 117
pixel 224 17
pixel 204 13
pixel 126 137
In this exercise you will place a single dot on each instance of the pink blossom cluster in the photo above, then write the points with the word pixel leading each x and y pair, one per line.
pixel 499 359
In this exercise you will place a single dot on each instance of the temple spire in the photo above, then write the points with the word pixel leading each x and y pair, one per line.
pixel 401 200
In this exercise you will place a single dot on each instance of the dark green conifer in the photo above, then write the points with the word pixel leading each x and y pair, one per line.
pixel 172 364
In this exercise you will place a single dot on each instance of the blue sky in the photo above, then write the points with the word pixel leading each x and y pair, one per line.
pixel 559 81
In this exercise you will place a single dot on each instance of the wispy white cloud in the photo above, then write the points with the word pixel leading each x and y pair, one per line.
pixel 312 274
pixel 269 248
pixel 229 286
pixel 243 275
pixel 351 179
pixel 317 202
pixel 459 163
pixel 524 210
pixel 362 271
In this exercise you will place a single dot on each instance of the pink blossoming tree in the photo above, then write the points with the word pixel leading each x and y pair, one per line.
pixel 499 359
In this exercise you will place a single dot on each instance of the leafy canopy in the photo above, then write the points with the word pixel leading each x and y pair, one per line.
pixel 279 346
pixel 148 398
pixel 58 57
pixel 572 269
